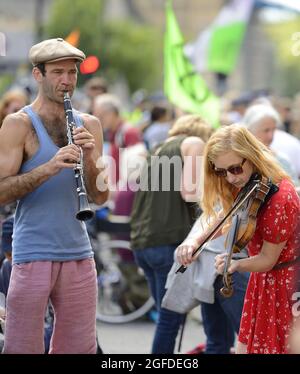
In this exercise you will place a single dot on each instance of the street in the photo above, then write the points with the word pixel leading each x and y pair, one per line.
pixel 136 337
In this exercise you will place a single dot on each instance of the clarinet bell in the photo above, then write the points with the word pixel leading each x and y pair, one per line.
pixel 85 212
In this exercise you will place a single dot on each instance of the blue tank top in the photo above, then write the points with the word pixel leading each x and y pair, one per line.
pixel 45 225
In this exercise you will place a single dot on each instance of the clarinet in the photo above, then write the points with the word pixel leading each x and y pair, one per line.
pixel 84 213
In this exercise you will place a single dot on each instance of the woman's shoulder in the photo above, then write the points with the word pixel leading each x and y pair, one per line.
pixel 286 185
pixel 286 193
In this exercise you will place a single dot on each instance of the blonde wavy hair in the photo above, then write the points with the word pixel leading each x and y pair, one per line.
pixel 191 125
pixel 217 191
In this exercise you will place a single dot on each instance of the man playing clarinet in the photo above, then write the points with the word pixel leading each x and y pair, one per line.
pixel 52 255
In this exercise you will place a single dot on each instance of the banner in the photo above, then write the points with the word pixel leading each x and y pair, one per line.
pixel 183 86
pixel 217 48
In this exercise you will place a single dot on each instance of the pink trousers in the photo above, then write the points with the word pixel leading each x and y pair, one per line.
pixel 72 289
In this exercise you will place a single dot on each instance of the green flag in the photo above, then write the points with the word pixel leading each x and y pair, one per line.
pixel 183 86
pixel 217 48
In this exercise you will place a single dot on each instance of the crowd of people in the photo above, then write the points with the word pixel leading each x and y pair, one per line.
pixel 167 172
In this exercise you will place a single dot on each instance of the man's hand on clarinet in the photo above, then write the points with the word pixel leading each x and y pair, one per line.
pixel 66 157
pixel 83 138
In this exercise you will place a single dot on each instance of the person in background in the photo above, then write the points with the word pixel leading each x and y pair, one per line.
pixel 6 249
pixel 93 87
pixel 11 102
pixel 118 133
pixel 239 106
pixel 282 141
pixel 139 116
pixel 289 145
pixel 163 214
pixel 283 106
pixel 157 131
pixel 262 120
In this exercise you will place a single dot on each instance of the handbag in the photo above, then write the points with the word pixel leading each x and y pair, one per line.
pixel 187 290
pixel 179 296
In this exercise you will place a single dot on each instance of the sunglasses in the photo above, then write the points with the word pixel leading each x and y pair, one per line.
pixel 234 169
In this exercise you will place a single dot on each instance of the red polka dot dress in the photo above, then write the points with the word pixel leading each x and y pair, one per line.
pixel 267 312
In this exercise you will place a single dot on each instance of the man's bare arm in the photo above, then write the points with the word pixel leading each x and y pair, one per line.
pixel 13 135
pixel 16 187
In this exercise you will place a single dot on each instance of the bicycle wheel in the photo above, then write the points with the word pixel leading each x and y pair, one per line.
pixel 123 294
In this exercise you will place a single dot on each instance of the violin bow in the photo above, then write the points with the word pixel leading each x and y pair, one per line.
pixel 232 211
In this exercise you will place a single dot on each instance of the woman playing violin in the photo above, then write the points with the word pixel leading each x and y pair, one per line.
pixel 231 157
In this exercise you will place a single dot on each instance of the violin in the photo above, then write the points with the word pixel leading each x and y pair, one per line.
pixel 244 223
pixel 244 214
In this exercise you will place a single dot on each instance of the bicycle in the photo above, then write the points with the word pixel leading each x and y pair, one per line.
pixel 123 294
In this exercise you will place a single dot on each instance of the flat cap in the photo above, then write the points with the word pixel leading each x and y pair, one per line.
pixel 54 50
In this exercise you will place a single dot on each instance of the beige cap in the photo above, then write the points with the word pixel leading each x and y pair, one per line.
pixel 54 50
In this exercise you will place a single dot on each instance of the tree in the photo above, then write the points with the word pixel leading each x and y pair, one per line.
pixel 134 51
pixel 286 38
pixel 124 48
pixel 84 15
